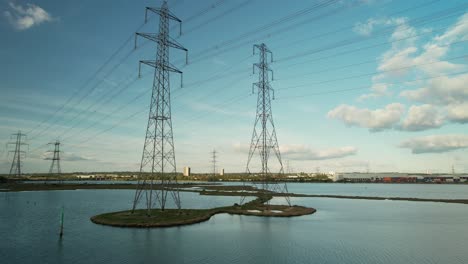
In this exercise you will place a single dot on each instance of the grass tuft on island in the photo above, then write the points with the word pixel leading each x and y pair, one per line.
pixel 176 217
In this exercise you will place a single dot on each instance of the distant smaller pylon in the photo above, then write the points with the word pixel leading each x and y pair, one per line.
pixel 55 166
pixel 213 160
pixel 17 164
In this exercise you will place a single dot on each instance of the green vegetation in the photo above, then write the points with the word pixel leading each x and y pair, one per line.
pixel 175 217
pixel 18 187
pixel 202 188
pixel 157 218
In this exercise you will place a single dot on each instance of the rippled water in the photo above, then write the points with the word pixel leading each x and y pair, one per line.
pixel 429 191
pixel 342 231
pixel 435 191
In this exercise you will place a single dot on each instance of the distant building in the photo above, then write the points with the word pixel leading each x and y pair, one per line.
pixel 186 171
pixel 335 176
pixel 86 176
pixel 221 172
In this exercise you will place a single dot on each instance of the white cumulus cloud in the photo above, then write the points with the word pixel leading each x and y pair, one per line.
pixel 444 90
pixel 301 152
pixel 459 31
pixel 374 120
pixel 25 17
pixel 458 113
pixel 422 117
pixel 304 152
pixel 406 57
pixel 398 56
pixel 436 143
pixel 366 28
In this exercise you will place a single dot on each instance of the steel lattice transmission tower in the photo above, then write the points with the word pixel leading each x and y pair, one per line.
pixel 55 159
pixel 16 164
pixel 264 139
pixel 158 164
pixel 213 160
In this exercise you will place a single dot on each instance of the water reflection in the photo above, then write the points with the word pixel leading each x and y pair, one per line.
pixel 342 231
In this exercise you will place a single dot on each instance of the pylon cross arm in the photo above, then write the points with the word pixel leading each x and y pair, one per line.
pixel 160 12
pixel 158 117
pixel 157 38
pixel 165 67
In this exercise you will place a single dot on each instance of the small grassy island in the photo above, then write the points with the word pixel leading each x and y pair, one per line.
pixel 175 217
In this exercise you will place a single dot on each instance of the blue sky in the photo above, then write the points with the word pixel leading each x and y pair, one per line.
pixel 358 84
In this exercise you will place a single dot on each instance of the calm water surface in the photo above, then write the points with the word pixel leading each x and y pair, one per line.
pixel 342 231
pixel 435 191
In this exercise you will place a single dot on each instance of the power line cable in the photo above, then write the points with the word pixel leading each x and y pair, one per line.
pixel 279 31
pixel 361 48
pixel 367 87
pixel 374 73
pixel 372 61
pixel 295 15
pixel 204 11
pixel 345 29
pixel 390 29
pixel 123 121
pixel 75 115
pixel 342 78
pixel 354 64
pixel 218 75
pixel 84 96
pixel 89 80
pixel 120 91
pixel 100 69
pixel 222 15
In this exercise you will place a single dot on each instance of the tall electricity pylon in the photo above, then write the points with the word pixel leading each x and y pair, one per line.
pixel 158 159
pixel 264 135
pixel 16 164
pixel 55 159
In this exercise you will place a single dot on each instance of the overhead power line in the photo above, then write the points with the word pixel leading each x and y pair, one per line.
pixel 238 98
pixel 84 96
pixel 285 19
pixel 354 64
pixel 387 30
pixel 336 54
pixel 375 72
pixel 222 15
pixel 178 93
pixel 221 49
pixel 204 11
pixel 105 99
pixel 100 69
pixel 90 79
pixel 367 86
pixel 221 76
pixel 350 28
